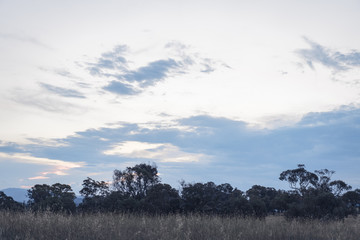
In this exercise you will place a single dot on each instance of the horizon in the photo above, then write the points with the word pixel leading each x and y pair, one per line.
pixel 229 92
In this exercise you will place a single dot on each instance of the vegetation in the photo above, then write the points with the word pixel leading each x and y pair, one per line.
pixel 313 195
pixel 138 206
pixel 8 203
pixel 47 225
pixel 55 198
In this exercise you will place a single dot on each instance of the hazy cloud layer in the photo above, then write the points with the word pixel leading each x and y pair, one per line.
pixel 25 39
pixel 333 59
pixel 64 92
pixel 49 102
pixel 60 71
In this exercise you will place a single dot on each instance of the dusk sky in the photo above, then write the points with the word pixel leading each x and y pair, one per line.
pixel 224 91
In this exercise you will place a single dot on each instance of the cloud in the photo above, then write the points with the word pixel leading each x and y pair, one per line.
pixel 46 102
pixel 208 66
pixel 59 171
pixel 28 159
pixel 21 165
pixel 150 74
pixel 161 152
pixel 121 88
pixel 46 142
pixel 64 92
pixel 134 82
pixel 129 82
pixel 25 39
pixel 38 177
pixel 125 80
pixel 9 147
pixel 112 60
pixel 332 59
pixel 217 149
pixel 60 72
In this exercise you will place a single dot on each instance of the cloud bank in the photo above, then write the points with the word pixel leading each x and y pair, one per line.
pixel 203 148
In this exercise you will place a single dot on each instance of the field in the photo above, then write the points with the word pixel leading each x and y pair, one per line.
pixel 125 226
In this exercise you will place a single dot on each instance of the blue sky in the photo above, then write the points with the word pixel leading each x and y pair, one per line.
pixel 223 91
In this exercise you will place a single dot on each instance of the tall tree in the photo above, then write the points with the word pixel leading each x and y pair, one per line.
pixel 136 181
pixel 92 188
pixel 94 193
pixel 319 196
pixel 299 179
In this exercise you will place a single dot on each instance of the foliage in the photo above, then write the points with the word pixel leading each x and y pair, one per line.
pixel 56 198
pixel 92 188
pixel 136 181
pixel 317 196
pixel 299 179
pixel 162 198
pixel 261 199
pixel 8 203
pixel 212 198
pixel 313 195
pixel 94 193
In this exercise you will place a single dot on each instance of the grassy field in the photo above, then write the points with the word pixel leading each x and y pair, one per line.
pixel 125 226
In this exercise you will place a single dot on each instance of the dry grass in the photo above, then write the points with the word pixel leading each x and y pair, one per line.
pixel 125 226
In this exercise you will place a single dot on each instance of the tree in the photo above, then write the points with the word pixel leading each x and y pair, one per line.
pixel 94 193
pixel 8 203
pixel 323 205
pixel 324 177
pixel 56 198
pixel 162 198
pixel 136 181
pixel 211 198
pixel 299 179
pixel 319 196
pixel 352 201
pixel 257 194
pixel 200 197
pixel 119 202
pixel 237 204
pixel 92 188
pixel 40 197
pixel 338 186
pixel 283 200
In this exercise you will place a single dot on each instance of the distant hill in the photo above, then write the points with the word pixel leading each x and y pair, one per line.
pixel 78 200
pixel 18 194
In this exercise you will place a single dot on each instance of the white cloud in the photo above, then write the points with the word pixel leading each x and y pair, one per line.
pixel 38 177
pixel 27 158
pixel 54 167
pixel 162 152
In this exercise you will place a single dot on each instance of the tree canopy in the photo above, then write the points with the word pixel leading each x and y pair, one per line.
pixel 57 198
pixel 312 195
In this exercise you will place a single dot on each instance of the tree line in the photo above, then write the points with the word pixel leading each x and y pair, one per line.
pixel 138 189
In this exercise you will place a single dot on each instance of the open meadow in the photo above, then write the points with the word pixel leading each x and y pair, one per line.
pixel 48 225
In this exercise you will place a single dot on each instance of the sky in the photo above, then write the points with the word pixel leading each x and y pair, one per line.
pixel 224 91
